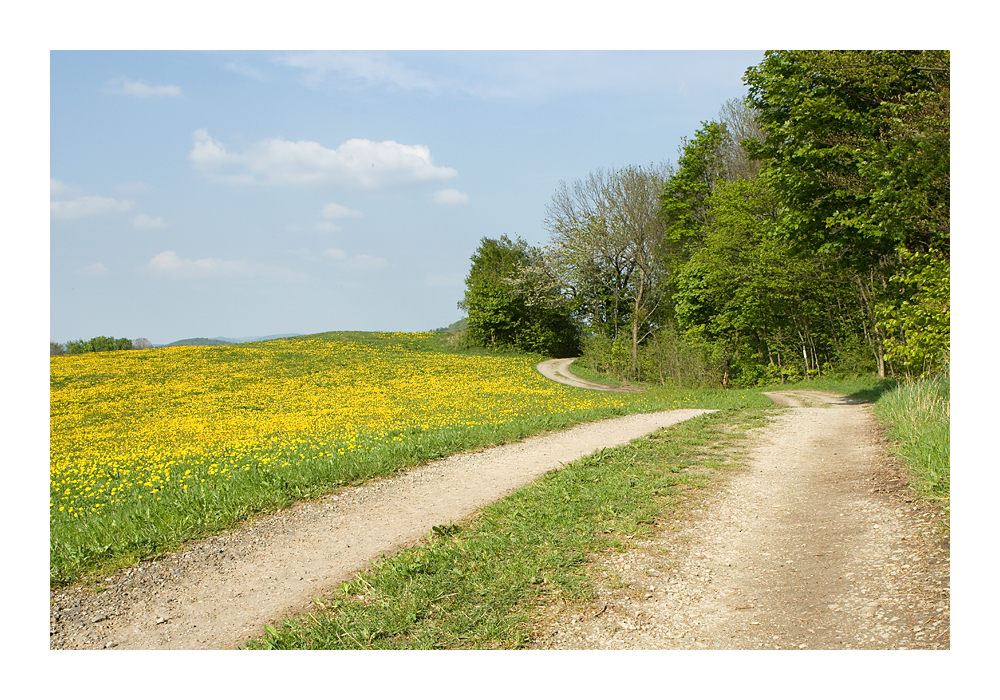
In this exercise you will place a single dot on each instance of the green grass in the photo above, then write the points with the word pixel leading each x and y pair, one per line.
pixel 86 549
pixel 580 370
pixel 918 414
pixel 475 585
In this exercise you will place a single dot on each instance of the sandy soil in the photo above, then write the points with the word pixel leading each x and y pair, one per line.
pixel 817 545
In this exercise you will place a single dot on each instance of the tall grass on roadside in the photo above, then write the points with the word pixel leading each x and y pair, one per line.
pixel 474 586
pixel 918 414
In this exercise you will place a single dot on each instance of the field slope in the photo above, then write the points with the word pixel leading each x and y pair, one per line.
pixel 151 449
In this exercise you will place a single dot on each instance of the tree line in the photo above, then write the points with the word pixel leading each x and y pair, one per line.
pixel 101 343
pixel 804 231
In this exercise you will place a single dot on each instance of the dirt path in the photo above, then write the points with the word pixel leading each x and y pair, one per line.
pixel 221 591
pixel 558 371
pixel 816 546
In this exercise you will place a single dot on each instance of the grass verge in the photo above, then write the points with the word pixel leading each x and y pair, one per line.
pixel 918 414
pixel 474 585
pixel 579 369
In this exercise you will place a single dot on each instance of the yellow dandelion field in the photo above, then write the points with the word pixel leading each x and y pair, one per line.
pixel 135 425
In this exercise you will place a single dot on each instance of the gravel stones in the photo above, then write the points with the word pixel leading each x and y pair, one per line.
pixel 816 546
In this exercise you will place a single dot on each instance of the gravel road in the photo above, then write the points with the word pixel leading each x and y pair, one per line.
pixel 558 371
pixel 221 591
pixel 817 545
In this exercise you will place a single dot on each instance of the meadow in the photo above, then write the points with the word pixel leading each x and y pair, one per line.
pixel 484 583
pixel 152 448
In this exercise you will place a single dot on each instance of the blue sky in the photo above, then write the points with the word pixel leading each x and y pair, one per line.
pixel 245 194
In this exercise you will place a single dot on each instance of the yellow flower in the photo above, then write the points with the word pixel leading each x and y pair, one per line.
pixel 120 421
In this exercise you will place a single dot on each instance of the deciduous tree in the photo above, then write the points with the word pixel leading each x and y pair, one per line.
pixel 101 343
pixel 513 301
pixel 857 147
pixel 607 244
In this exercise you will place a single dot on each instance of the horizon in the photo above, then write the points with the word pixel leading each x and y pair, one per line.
pixel 271 336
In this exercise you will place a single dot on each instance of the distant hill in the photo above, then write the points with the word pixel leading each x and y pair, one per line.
pixel 253 340
pixel 225 341
pixel 197 341
pixel 459 325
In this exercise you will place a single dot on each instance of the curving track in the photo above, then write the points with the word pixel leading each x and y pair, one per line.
pixel 558 371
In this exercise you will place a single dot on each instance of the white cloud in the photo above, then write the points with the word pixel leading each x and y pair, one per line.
pixel 141 90
pixel 137 187
pixel 360 262
pixel 368 262
pixel 356 68
pixel 245 70
pixel 144 221
pixel 357 162
pixel 451 197
pixel 169 264
pixel 95 270
pixel 69 202
pixel 335 253
pixel 337 211
pixel 327 227
pixel 88 205
pixel 455 279
pixel 57 188
pixel 207 152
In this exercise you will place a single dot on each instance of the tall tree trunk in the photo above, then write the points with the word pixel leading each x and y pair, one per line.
pixel 635 323
pixel 802 342
pixel 659 357
pixel 872 333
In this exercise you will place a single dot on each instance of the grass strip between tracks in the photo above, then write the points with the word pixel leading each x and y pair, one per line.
pixel 475 585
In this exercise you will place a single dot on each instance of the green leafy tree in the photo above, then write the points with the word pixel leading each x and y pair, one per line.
pixel 857 147
pixel 919 327
pixel 684 200
pixel 74 347
pixel 513 301
pixel 748 291
pixel 607 247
